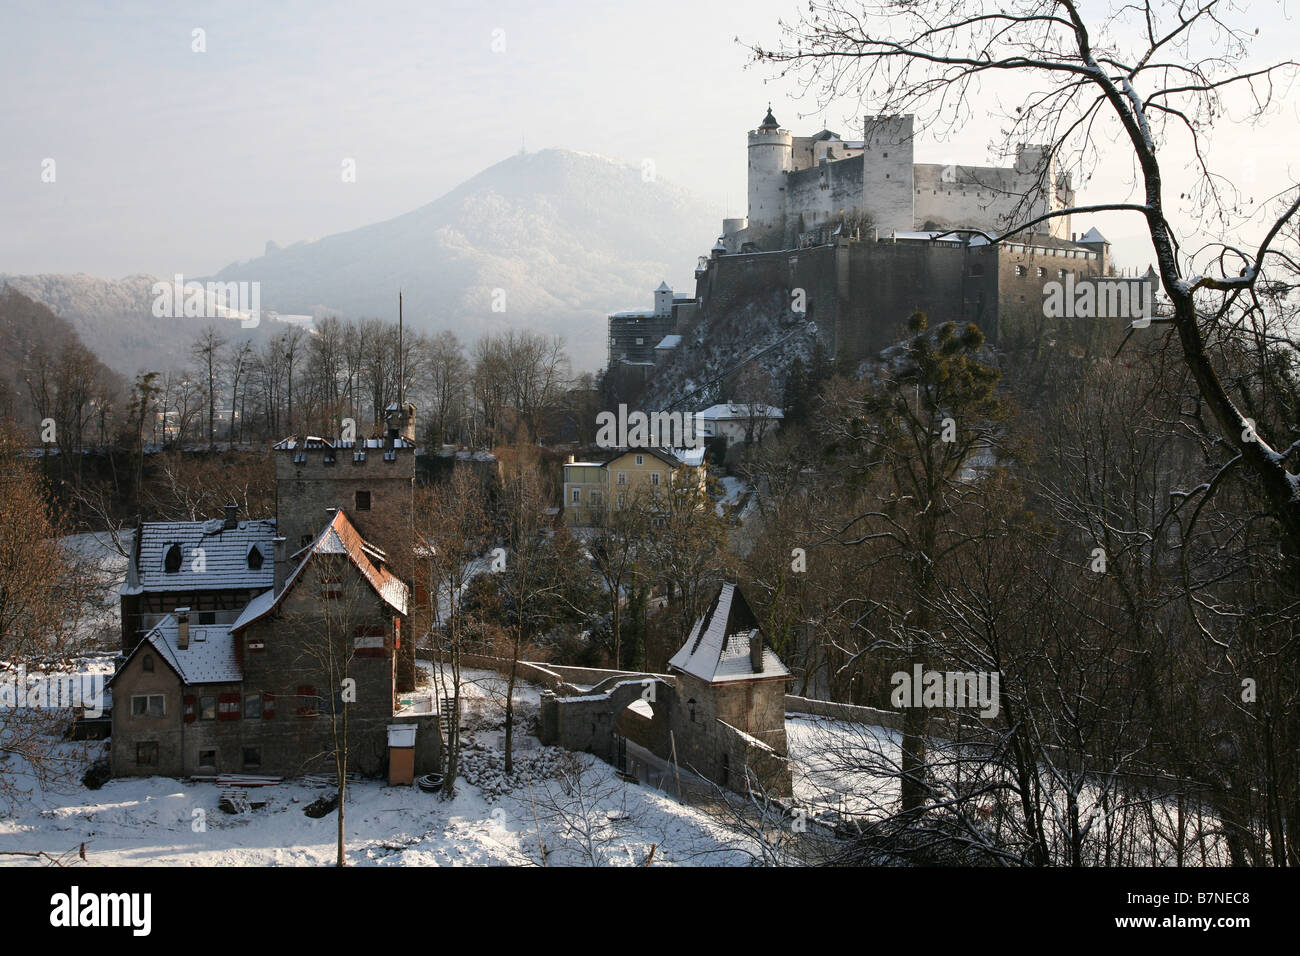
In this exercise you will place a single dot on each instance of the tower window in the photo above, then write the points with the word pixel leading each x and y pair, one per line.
pixel 172 560
pixel 362 500
pixel 255 558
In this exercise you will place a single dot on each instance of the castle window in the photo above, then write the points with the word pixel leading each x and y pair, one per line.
pixel 1060 273
pixel 207 708
pixel 390 455
pixel 1042 272
pixel 358 458
pixel 300 458
pixel 1021 271
pixel 255 558
pixel 172 560
pixel 207 758
pixel 329 457
pixel 362 500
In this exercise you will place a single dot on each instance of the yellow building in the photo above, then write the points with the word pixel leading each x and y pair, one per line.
pixel 591 487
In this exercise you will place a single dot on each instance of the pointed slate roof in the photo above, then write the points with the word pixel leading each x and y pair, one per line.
pixel 769 121
pixel 1092 235
pixel 718 648
pixel 340 536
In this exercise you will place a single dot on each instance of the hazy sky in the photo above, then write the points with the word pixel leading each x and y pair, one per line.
pixel 168 160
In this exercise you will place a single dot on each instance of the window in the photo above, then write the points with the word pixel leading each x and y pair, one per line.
pixel 1021 271
pixel 640 341
pixel 654 478
pixel 593 498
pixel 207 708
pixel 1060 273
pixel 148 705
pixel 252 706
pixel 691 703
pixel 252 756
pixel 146 663
pixel 228 707
pixel 1042 272
pixel 172 560
pixel 622 477
pixel 358 458
pixel 208 758
pixel 640 460
pixel 300 458
pixel 577 496
pixel 255 558
pixel 331 587
pixel 622 499
pixel 308 702
pixel 363 500
pixel 329 458
pixel 146 753
pixel 207 617
pixel 268 706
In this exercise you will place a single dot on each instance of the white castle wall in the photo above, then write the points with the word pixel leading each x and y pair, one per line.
pixel 788 181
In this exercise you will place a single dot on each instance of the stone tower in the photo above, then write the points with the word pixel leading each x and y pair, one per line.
pixel 888 194
pixel 371 479
pixel 771 156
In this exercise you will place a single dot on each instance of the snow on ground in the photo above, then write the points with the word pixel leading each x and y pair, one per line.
pixel 573 804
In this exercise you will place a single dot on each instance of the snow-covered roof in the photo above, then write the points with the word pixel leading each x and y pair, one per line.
pixel 221 553
pixel 635 314
pixel 669 342
pixel 210 657
pixel 1092 235
pixel 310 442
pixel 730 410
pixel 664 287
pixel 691 457
pixel 718 648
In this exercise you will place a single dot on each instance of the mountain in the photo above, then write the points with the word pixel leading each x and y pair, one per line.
pixel 114 318
pixel 568 237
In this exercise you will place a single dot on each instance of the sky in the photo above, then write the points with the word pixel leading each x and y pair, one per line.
pixel 167 159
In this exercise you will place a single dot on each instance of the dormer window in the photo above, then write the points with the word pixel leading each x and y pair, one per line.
pixel 255 558
pixel 172 560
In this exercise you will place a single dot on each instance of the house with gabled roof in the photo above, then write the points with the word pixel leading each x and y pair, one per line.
pixel 592 488
pixel 239 650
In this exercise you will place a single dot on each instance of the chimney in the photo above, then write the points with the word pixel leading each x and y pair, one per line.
pixel 182 627
pixel 281 564
pixel 232 517
pixel 756 651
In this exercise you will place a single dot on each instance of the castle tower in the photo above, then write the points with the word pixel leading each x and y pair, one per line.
pixel 888 193
pixel 771 156
pixel 663 300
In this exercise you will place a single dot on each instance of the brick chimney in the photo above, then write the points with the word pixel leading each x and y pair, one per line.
pixel 232 517
pixel 182 627
pixel 281 563
pixel 756 652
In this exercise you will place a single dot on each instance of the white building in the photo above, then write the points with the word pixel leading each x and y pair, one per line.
pixel 738 422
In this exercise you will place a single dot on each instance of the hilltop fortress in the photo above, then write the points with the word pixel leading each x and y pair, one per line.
pixel 799 184
pixel 844 240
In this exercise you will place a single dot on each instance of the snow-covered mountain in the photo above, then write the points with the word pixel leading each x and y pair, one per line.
pixel 551 240
pixel 566 237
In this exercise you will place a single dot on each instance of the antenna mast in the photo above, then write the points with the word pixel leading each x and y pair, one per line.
pixel 401 359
